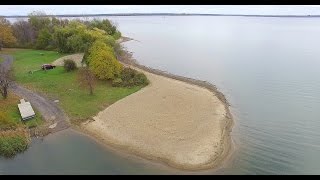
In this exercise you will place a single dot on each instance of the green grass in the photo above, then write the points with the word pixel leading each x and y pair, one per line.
pixel 27 60
pixel 1 59
pixel 13 142
pixel 62 85
pixel 10 109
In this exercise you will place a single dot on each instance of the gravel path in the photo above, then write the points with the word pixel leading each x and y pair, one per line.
pixel 49 110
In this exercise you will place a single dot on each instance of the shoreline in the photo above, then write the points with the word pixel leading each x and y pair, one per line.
pixel 224 151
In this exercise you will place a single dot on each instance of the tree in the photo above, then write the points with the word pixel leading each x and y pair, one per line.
pixel 6 34
pixel 44 39
pixel 71 38
pixel 105 24
pixel 5 76
pixel 86 79
pixel 24 33
pixel 60 37
pixel 59 22
pixel 39 21
pixel 76 37
pixel 102 61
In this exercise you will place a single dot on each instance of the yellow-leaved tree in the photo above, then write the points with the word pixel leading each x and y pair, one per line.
pixel 6 34
pixel 102 61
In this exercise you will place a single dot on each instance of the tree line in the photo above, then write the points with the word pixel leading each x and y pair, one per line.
pixel 51 33
pixel 95 38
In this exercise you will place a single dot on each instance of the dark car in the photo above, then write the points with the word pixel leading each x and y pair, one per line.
pixel 47 66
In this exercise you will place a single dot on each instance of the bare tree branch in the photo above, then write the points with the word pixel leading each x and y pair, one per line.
pixel 86 79
pixel 5 79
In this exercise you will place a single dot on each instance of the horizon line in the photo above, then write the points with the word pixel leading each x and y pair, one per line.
pixel 156 14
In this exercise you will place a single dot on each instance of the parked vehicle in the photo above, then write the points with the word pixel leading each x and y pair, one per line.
pixel 47 66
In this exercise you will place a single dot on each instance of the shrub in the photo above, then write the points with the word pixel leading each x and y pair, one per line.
pixel 127 74
pixel 140 79
pixel 117 82
pixel 130 77
pixel 69 65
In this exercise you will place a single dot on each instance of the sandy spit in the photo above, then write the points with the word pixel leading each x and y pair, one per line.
pixel 183 125
pixel 182 122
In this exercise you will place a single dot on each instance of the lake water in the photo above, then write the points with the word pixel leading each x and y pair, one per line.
pixel 268 68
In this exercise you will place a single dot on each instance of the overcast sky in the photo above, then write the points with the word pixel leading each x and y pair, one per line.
pixel 214 9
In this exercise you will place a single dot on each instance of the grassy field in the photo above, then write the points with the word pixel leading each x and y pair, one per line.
pixel 62 85
pixel 1 59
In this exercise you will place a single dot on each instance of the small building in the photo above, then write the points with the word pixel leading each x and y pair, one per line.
pixel 26 110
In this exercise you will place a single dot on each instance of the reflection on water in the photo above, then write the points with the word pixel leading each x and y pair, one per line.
pixel 266 67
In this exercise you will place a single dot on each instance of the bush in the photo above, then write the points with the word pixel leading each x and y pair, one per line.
pixel 140 79
pixel 130 77
pixel 69 65
pixel 127 74
pixel 117 82
pixel 117 35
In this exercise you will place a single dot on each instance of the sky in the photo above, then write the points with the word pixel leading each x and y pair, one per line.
pixel 6 10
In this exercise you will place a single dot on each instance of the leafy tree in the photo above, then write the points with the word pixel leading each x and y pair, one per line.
pixel 105 25
pixel 76 37
pixel 39 21
pixel 76 43
pixel 55 22
pixel 102 61
pixel 6 33
pixel 98 34
pixel 44 39
pixel 60 37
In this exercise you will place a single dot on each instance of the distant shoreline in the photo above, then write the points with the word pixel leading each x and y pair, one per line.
pixel 162 14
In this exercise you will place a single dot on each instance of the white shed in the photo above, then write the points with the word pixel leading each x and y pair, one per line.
pixel 26 110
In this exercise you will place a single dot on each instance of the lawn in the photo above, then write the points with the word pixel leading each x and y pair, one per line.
pixel 63 86
pixel 1 59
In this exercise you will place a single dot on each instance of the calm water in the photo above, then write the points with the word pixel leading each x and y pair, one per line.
pixel 267 67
